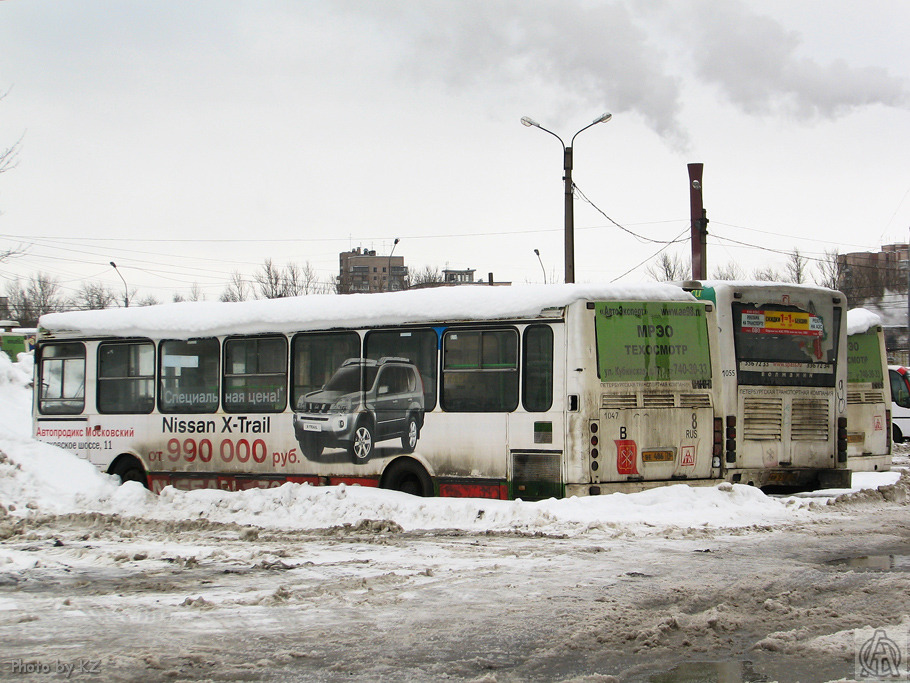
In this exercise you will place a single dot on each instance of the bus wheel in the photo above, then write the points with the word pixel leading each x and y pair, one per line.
pixel 408 476
pixel 896 434
pixel 409 440
pixel 361 448
pixel 129 468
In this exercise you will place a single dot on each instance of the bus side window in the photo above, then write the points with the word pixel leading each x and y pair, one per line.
pixel 419 346
pixel 126 377
pixel 537 388
pixel 62 379
pixel 480 371
pixel 189 376
pixel 255 374
pixel 315 356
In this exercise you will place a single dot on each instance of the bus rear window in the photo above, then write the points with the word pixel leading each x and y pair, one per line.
pixel 784 345
pixel 62 377
pixel 651 341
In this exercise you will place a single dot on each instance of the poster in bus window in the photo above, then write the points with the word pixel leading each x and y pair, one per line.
pixel 650 341
pixel 341 415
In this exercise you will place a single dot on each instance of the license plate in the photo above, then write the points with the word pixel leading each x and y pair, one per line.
pixel 312 427
pixel 856 438
pixel 657 456
pixel 782 477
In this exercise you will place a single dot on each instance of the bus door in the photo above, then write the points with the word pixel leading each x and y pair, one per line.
pixel 537 427
pixel 60 397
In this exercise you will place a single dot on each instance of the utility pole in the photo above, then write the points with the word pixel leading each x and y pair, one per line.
pixel 699 224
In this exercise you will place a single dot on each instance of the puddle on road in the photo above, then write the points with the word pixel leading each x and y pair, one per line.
pixel 873 563
pixel 710 672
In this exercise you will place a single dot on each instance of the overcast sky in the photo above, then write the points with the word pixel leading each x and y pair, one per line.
pixel 187 140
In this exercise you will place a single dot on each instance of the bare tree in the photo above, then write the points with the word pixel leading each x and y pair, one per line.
pixel 31 299
pixel 427 275
pixel 275 282
pixel 196 293
pixel 237 288
pixel 9 156
pixel 9 159
pixel 93 296
pixel 828 270
pixel 269 280
pixel 796 267
pixel 668 267
pixel 766 273
pixel 729 271
pixel 148 300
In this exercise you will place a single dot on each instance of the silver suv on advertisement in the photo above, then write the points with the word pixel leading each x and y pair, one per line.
pixel 389 406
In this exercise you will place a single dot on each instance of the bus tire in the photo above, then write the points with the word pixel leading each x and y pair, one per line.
pixel 409 440
pixel 361 447
pixel 408 476
pixel 128 468
pixel 896 434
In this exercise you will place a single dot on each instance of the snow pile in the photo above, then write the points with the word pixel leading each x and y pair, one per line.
pixel 39 478
pixel 860 320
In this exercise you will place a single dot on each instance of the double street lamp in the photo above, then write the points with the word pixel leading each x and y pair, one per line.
pixel 567 166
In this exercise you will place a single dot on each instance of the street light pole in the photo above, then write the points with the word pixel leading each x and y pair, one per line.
pixel 543 270
pixel 570 188
pixel 126 290
pixel 388 278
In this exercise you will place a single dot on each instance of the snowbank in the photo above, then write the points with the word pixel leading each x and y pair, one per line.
pixel 860 320
pixel 39 478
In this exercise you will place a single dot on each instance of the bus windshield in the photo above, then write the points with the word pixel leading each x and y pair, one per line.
pixel 784 345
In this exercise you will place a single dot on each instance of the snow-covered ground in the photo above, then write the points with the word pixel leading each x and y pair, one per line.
pixel 351 583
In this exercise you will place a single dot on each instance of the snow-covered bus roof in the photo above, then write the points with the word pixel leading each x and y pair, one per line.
pixel 319 312
pixel 727 285
pixel 860 320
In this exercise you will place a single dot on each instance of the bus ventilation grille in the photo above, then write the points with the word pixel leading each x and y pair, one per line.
pixel 536 467
pixel 658 400
pixel 618 401
pixel 855 397
pixel 762 419
pixel 811 421
pixel 664 400
pixel 688 400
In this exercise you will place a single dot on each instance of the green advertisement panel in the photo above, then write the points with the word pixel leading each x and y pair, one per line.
pixel 652 341
pixel 864 358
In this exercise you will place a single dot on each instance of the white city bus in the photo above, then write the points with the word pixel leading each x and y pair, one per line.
pixel 501 392
pixel 784 372
pixel 868 394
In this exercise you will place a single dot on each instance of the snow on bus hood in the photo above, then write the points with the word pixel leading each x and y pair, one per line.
pixel 860 320
pixel 325 311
